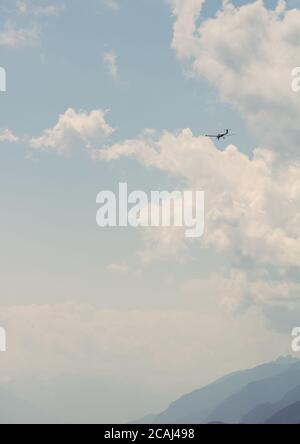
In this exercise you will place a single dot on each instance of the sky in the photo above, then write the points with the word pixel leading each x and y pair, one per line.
pixel 110 91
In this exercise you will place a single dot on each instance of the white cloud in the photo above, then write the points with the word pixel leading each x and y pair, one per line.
pixel 133 345
pixel 6 135
pixel 24 7
pixel 74 129
pixel 252 203
pixel 111 4
pixel 111 63
pixel 14 37
pixel 247 53
pixel 235 291
pixel 186 13
pixel 118 268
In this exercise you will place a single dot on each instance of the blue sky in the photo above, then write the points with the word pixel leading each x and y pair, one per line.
pixel 68 63
pixel 66 69
pixel 53 251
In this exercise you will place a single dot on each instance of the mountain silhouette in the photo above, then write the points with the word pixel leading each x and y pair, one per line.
pixel 269 393
pixel 14 410
pixel 148 419
pixel 206 404
pixel 268 390
pixel 288 415
pixel 261 413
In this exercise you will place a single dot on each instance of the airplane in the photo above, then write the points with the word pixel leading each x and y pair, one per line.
pixel 220 135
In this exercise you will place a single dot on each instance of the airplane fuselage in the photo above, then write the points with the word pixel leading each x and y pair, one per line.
pixel 219 136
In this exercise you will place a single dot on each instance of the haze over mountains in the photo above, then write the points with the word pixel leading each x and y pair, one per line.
pixel 269 393
pixel 14 410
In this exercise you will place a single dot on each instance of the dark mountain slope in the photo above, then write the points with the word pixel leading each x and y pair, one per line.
pixel 263 412
pixel 268 390
pixel 17 411
pixel 289 415
pixel 197 406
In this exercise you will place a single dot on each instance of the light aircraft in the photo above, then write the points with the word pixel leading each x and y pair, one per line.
pixel 220 135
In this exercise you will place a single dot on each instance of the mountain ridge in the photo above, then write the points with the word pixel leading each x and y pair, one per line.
pixel 202 405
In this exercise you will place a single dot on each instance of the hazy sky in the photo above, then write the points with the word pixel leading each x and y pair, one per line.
pixel 101 92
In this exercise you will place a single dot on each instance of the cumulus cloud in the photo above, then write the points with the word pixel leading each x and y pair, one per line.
pixel 111 4
pixel 7 135
pixel 117 268
pixel 111 63
pixel 27 8
pixel 74 129
pixel 186 13
pixel 235 291
pixel 254 214
pixel 14 37
pixel 247 53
